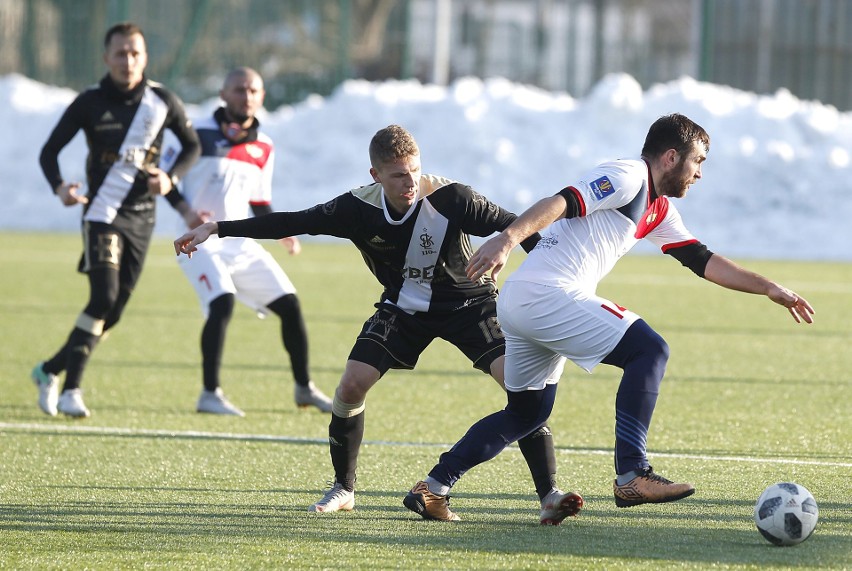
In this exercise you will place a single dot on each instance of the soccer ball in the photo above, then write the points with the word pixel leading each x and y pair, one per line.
pixel 786 513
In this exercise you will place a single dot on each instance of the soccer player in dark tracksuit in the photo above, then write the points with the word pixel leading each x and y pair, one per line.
pixel 413 231
pixel 124 118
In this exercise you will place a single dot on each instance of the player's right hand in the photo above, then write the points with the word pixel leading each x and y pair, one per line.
pixel 67 193
pixel 188 243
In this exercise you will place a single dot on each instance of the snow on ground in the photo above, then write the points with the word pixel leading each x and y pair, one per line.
pixel 777 183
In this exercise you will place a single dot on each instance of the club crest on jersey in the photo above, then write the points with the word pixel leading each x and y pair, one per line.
pixel 601 187
pixel 254 151
pixel 427 242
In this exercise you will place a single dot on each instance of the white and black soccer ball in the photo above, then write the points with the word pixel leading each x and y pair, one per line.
pixel 786 513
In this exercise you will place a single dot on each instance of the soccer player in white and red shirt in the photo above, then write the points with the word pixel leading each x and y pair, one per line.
pixel 233 180
pixel 550 311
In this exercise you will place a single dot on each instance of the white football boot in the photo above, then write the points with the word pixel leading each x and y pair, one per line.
pixel 310 395
pixel 71 404
pixel 214 402
pixel 337 498
pixel 48 389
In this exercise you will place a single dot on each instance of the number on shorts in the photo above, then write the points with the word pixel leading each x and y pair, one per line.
pixel 491 329
pixel 108 248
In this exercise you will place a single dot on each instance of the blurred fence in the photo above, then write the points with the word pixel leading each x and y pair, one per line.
pixel 306 46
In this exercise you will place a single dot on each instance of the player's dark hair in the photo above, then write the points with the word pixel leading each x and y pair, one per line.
pixel 676 132
pixel 391 143
pixel 123 29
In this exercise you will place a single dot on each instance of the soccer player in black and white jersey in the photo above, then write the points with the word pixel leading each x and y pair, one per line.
pixel 413 231
pixel 231 180
pixel 124 118
pixel 550 312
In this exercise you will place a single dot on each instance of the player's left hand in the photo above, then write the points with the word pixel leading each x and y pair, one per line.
pixel 491 256
pixel 159 182
pixel 292 244
pixel 798 306
pixel 188 243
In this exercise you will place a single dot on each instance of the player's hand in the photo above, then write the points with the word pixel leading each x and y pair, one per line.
pixel 491 256
pixel 798 306
pixel 188 243
pixel 292 244
pixel 67 193
pixel 159 182
pixel 195 218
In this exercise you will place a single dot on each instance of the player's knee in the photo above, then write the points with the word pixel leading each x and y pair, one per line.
pixel 101 304
pixel 529 409
pixel 104 293
pixel 657 351
pixel 221 308
pixel 356 381
pixel 286 307
pixel 353 388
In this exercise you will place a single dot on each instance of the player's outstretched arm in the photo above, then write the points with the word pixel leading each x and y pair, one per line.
pixel 726 273
pixel 492 255
pixel 188 243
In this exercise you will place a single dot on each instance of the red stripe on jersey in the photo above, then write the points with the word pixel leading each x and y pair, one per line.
pixel 259 202
pixel 612 311
pixel 580 200
pixel 255 153
pixel 674 245
pixel 652 217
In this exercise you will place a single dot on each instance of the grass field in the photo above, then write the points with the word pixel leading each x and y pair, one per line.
pixel 750 399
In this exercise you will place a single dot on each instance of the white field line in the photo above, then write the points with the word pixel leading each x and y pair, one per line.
pixel 194 434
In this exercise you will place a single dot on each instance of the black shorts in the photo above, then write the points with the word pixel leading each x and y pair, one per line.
pixel 394 339
pixel 108 246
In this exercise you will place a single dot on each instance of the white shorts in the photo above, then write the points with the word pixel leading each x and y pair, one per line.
pixel 239 266
pixel 545 325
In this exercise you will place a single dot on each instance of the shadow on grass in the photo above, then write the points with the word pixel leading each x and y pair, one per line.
pixel 663 532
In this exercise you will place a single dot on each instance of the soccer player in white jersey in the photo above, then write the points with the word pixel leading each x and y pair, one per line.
pixel 413 231
pixel 233 176
pixel 550 312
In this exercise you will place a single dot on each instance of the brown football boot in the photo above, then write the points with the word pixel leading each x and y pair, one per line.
pixel 556 506
pixel 649 488
pixel 430 506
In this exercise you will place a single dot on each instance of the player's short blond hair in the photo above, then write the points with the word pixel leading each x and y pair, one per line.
pixel 392 143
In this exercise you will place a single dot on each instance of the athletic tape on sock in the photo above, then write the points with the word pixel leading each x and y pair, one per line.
pixel 89 324
pixel 346 410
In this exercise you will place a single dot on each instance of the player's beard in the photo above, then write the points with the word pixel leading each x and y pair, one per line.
pixel 236 116
pixel 674 183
